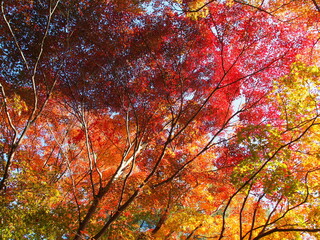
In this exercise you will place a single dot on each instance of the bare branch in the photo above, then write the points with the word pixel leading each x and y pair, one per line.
pixel 316 5
pixel 13 35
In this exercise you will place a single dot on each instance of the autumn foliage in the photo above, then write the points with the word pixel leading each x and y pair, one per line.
pixel 157 119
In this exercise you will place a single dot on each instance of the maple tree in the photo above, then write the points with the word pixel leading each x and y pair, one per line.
pixel 159 120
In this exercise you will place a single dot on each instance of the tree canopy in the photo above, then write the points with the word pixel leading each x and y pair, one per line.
pixel 149 119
